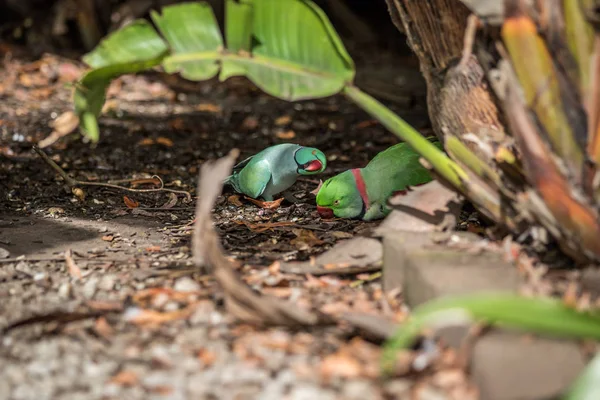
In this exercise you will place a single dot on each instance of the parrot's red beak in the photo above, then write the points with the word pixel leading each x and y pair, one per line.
pixel 325 212
pixel 314 166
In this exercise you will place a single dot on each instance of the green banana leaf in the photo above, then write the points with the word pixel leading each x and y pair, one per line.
pixel 537 315
pixel 289 49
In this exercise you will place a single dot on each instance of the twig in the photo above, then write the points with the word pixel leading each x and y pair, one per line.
pixel 318 271
pixel 72 183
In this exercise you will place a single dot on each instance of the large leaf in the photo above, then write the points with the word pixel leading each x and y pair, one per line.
pixel 537 315
pixel 295 57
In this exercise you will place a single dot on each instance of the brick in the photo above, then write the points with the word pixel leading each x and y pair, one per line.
pixel 510 366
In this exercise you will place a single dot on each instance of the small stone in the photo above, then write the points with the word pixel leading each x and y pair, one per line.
pixel 186 284
pixel 4 253
pixel 107 283
pixel 359 390
pixel 398 388
pixel 64 290
pixel 310 392
pixel 90 287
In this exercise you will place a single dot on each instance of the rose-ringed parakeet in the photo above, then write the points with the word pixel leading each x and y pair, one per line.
pixel 275 169
pixel 362 193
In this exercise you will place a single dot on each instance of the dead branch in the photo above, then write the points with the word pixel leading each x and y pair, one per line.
pixel 74 183
pixel 241 301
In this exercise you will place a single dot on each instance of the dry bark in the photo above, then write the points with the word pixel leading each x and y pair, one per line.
pixel 458 96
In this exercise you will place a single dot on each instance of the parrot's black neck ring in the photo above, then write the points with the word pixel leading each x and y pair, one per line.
pixel 296 161
pixel 363 210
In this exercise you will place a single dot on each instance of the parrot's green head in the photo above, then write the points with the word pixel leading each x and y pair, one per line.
pixel 310 161
pixel 340 196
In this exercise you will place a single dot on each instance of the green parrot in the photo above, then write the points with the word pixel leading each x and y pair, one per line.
pixel 362 193
pixel 275 169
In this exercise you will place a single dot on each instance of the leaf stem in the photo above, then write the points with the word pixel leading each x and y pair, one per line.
pixel 441 163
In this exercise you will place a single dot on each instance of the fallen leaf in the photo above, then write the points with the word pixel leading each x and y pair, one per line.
pixel 286 135
pixel 125 378
pixel 235 200
pixel 146 297
pixel 341 235
pixel 102 328
pixel 164 141
pixel 108 238
pixel 340 364
pixel 153 249
pixel 162 390
pixel 130 203
pixel 146 142
pixel 208 107
pixel 144 317
pixel 269 205
pixel 367 123
pixel 74 270
pixel 250 123
pixel 207 357
pixel 65 123
pixel 283 120
pixel 305 239
pixel 172 202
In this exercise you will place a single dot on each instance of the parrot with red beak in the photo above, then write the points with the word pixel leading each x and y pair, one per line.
pixel 362 193
pixel 275 169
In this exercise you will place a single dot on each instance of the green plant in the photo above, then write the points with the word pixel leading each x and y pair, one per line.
pixel 299 57
pixel 538 315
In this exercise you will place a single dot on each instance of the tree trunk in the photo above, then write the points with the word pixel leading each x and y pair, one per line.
pixel 458 98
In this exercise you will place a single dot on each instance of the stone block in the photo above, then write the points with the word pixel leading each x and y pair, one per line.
pixel 511 366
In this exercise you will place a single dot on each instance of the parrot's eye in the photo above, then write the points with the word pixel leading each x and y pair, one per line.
pixel 335 203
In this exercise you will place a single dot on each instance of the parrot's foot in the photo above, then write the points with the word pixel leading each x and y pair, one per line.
pixel 269 205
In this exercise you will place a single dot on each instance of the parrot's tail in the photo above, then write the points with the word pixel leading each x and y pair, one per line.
pixel 231 180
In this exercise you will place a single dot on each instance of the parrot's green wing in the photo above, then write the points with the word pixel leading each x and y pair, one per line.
pixel 239 166
pixel 254 177
pixel 394 169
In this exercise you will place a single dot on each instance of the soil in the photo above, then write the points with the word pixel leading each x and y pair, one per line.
pixel 97 297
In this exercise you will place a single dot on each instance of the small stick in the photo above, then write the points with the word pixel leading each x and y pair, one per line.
pixel 74 182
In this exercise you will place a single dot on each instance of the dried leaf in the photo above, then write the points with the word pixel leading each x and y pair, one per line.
pixel 125 378
pixel 283 120
pixel 305 239
pixel 130 203
pixel 250 123
pixel 164 141
pixel 207 357
pixel 74 270
pixel 235 200
pixel 208 107
pixel 63 125
pixel 146 142
pixel 153 249
pixel 102 328
pixel 144 317
pixel 108 238
pixel 286 135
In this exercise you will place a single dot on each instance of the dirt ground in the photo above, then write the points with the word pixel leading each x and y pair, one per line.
pixel 98 299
